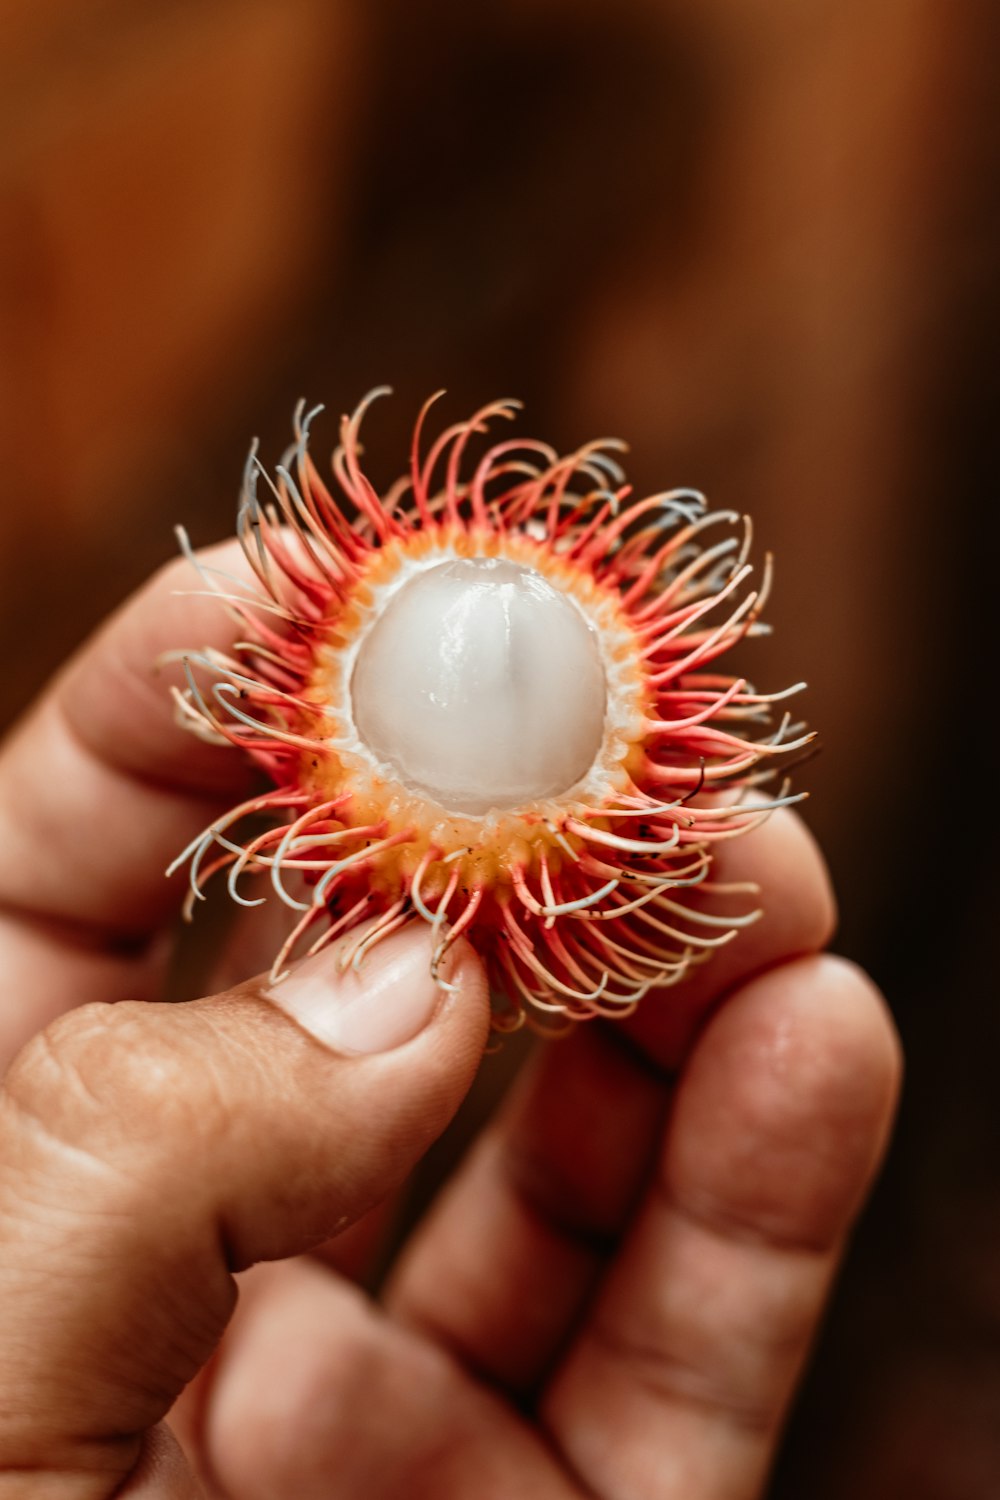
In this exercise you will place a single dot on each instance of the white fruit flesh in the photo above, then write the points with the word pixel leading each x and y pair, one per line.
pixel 482 686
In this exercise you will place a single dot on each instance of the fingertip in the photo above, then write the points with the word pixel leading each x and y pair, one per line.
pixel 363 995
pixel 451 1047
pixel 872 1048
pixel 782 861
pixel 464 972
pixel 785 1108
pixel 116 692
pixel 783 857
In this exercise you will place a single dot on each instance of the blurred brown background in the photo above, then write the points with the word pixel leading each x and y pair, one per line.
pixel 757 241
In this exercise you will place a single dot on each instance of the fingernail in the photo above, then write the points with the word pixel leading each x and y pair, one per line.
pixel 386 1002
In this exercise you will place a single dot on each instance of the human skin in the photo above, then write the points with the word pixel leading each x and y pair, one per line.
pixel 614 1296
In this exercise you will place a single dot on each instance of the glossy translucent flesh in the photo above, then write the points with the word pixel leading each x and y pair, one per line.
pixel 481 685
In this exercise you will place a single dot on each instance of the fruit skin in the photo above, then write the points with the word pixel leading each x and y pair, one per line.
pixel 579 903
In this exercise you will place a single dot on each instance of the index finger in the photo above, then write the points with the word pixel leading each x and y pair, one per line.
pixel 100 789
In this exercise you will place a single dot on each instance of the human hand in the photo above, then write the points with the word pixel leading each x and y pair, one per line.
pixel 614 1296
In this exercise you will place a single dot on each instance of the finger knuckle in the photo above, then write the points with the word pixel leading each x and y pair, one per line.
pixel 108 1078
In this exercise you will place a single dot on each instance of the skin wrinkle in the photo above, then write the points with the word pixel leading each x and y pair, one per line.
pixel 788 1277
pixel 530 1181
pixel 69 1472
pixel 462 1355
pixel 145 687
pixel 120 1211
pixel 666 1376
pixel 187 810
pixel 42 971
pixel 542 1193
pixel 590 1251
pixel 532 1186
pixel 617 1037
pixel 133 661
pixel 130 1165
pixel 131 946
pixel 174 1361
pixel 16 1100
pixel 203 806
pixel 65 1071
pixel 104 756
pixel 711 1217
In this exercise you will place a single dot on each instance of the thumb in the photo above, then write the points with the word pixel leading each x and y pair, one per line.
pixel 149 1151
